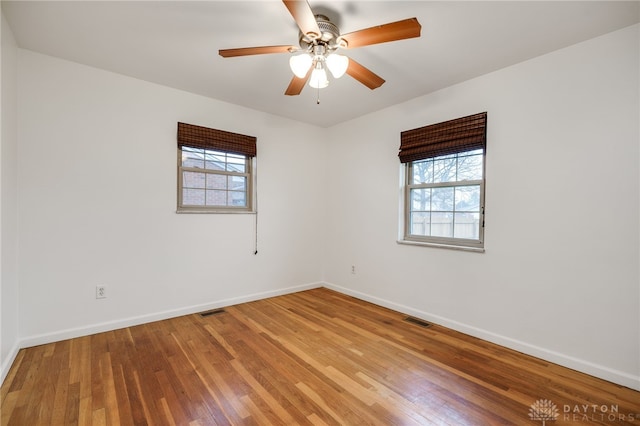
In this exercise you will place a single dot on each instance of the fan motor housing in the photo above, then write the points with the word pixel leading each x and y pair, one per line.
pixel 328 37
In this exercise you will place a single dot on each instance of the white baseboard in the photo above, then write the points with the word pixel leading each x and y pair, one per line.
pixel 600 371
pixel 71 333
pixel 8 362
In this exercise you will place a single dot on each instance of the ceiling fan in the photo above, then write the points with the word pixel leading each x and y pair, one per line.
pixel 319 39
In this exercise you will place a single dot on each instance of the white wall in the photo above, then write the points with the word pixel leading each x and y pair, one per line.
pixel 560 275
pixel 8 201
pixel 97 184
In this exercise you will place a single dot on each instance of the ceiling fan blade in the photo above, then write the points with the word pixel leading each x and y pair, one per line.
pixel 304 17
pixel 400 30
pixel 297 84
pixel 246 51
pixel 364 75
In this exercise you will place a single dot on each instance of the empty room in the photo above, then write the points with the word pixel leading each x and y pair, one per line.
pixel 320 212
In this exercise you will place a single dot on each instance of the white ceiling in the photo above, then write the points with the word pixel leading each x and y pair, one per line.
pixel 175 43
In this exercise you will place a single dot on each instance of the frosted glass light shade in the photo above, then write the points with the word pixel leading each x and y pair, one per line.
pixel 337 64
pixel 300 64
pixel 318 78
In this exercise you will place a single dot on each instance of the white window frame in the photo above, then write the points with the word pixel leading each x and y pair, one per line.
pixel 406 237
pixel 250 190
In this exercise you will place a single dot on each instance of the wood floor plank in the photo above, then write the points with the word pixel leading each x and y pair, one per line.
pixel 328 415
pixel 84 411
pixel 61 396
pixel 316 357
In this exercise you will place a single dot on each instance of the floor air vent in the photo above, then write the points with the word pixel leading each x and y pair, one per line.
pixel 212 312
pixel 418 321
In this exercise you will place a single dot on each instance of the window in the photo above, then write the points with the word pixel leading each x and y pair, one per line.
pixel 445 197
pixel 214 179
pixel 443 182
pixel 215 170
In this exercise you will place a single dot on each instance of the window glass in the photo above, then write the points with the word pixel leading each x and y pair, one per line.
pixel 444 200
pixel 211 180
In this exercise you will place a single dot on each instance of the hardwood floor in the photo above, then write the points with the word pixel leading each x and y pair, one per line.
pixel 316 357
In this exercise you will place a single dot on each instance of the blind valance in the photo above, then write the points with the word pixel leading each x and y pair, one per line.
pixel 449 137
pixel 205 138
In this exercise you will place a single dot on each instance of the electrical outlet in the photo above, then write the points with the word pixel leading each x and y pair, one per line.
pixel 353 269
pixel 101 292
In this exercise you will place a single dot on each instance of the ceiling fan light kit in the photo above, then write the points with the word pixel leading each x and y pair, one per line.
pixel 319 39
pixel 337 64
pixel 318 78
pixel 300 64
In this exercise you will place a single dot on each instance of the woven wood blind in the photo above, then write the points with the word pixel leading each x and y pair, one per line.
pixel 449 137
pixel 206 138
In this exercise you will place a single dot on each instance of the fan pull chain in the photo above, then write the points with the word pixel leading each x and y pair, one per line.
pixel 318 98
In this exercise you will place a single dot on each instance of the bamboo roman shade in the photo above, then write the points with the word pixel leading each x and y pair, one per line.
pixel 219 140
pixel 449 137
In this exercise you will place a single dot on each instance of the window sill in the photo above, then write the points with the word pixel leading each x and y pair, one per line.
pixel 196 211
pixel 444 246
